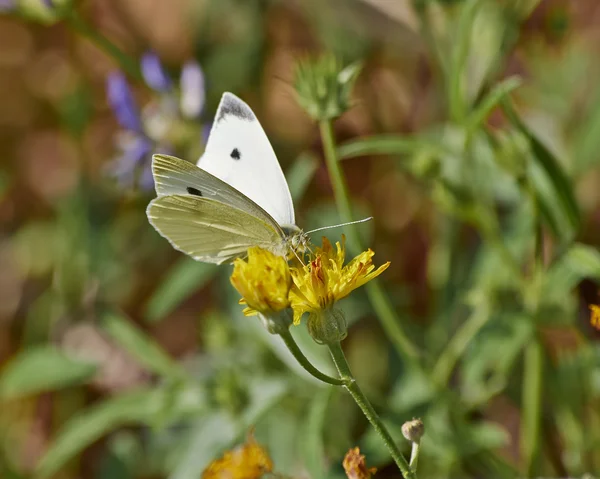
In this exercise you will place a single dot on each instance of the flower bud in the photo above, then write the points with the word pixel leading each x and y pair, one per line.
pixel 276 322
pixel 327 326
pixel 323 87
pixel 413 430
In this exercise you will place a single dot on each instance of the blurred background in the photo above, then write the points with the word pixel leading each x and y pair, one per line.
pixel 473 139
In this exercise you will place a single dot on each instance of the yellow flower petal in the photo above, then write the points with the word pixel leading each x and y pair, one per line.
pixel 263 280
pixel 248 461
pixel 325 280
pixel 595 317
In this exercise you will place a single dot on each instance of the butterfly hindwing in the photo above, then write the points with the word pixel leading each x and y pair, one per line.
pixel 209 230
pixel 240 154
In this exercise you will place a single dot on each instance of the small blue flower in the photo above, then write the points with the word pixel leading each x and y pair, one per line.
pixel 193 94
pixel 154 73
pixel 122 102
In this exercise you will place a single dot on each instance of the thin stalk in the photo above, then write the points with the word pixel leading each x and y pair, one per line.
pixel 384 310
pixel 532 406
pixel 305 363
pixel 85 29
pixel 458 344
pixel 414 456
pixel 361 400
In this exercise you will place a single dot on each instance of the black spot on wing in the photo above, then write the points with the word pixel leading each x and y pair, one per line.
pixel 194 191
pixel 235 154
pixel 231 105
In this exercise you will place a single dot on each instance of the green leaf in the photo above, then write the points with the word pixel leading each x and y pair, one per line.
pixel 387 145
pixel 140 346
pixel 218 432
pixel 301 173
pixel 560 182
pixel 578 263
pixel 313 449
pixel 457 97
pixel 212 435
pixel 491 101
pixel 185 277
pixel 91 424
pixel 138 407
pixel 43 368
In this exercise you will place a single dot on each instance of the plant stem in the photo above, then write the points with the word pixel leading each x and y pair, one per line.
pixel 379 301
pixel 85 29
pixel 291 344
pixel 458 344
pixel 414 456
pixel 531 403
pixel 361 400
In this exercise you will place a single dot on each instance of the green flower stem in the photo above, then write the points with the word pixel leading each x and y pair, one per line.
pixel 350 384
pixel 458 344
pixel 304 362
pixel 532 406
pixel 379 301
pixel 414 456
pixel 128 65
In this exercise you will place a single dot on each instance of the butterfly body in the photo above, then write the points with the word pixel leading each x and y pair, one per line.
pixel 235 198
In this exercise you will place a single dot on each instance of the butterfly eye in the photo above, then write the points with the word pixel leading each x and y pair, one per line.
pixel 235 154
pixel 193 191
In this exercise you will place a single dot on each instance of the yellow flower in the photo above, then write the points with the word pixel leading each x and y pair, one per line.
pixel 248 461
pixel 355 465
pixel 263 280
pixel 595 319
pixel 325 279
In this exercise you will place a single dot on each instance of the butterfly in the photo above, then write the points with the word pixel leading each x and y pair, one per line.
pixel 236 196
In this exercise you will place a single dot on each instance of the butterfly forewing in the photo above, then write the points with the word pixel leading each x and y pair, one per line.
pixel 209 230
pixel 173 176
pixel 239 153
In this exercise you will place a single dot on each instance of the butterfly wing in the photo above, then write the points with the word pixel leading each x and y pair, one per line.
pixel 239 153
pixel 209 230
pixel 173 176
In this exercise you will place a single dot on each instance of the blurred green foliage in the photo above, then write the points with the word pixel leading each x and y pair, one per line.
pixel 473 140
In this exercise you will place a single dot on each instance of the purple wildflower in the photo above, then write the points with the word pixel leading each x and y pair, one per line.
pixel 154 73
pixel 162 126
pixel 193 93
pixel 122 102
pixel 7 6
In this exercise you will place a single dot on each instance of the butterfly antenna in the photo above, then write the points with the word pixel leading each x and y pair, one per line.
pixel 342 224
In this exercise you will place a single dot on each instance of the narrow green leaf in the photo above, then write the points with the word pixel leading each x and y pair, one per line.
pixel 313 449
pixel 457 98
pixel 184 277
pixel 91 424
pixel 491 101
pixel 218 432
pixel 43 368
pixel 546 160
pixel 301 173
pixel 212 435
pixel 387 145
pixel 578 263
pixel 140 346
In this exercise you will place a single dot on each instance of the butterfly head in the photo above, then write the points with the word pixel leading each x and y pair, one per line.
pixel 296 240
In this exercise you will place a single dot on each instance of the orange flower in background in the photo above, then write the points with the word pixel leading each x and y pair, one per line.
pixel 355 465
pixel 595 316
pixel 248 461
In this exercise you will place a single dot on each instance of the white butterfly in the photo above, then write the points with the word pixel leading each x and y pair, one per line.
pixel 237 196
